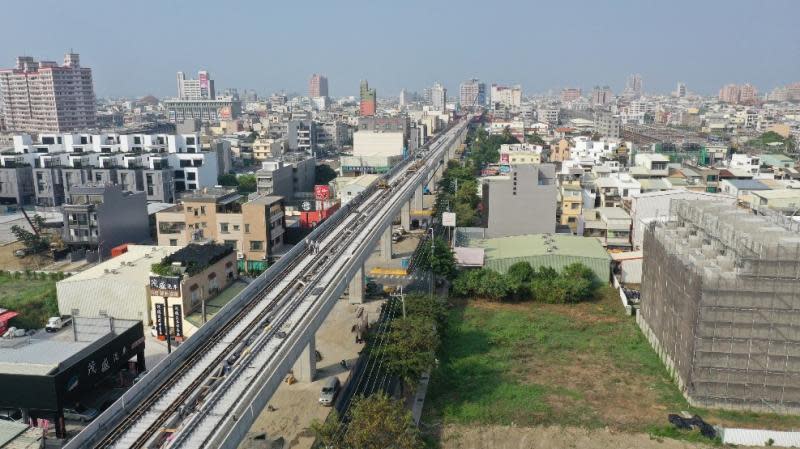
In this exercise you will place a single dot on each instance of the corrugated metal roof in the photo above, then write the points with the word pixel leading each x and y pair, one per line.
pixel 754 437
pixel 10 430
pixel 501 253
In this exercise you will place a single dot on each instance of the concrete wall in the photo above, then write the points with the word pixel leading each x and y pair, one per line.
pixel 122 218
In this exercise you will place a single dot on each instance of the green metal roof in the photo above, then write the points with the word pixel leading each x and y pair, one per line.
pixel 501 253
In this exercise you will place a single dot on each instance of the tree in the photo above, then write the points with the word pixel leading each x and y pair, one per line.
pixel 228 180
pixel 411 347
pixel 34 243
pixel 482 283
pixel 519 277
pixel 323 174
pixel 535 139
pixel 425 306
pixel 379 422
pixel 441 262
pixel 247 184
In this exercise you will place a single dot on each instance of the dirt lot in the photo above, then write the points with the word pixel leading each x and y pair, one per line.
pixel 499 437
pixel 296 406
pixel 8 261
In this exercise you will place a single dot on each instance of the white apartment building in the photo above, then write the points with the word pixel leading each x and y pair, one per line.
pixel 47 97
pixel 521 153
pixel 751 164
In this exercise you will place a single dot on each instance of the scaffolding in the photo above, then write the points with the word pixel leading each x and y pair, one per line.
pixel 721 304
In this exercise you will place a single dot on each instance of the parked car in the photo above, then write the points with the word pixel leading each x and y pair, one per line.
pixel 80 413
pixel 329 391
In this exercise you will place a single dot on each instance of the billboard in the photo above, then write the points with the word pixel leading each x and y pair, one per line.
pixel 177 318
pixel 448 219
pixel 322 192
pixel 504 158
pixel 165 286
pixel 161 320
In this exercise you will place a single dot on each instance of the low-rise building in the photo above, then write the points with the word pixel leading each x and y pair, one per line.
pixel 571 205
pixel 540 250
pixel 520 153
pixel 285 177
pixel 347 188
pixel 116 288
pixel 254 227
pixel 610 225
pixel 102 216
pixel 205 271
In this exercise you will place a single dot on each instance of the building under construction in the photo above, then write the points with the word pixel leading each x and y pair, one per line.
pixel 721 305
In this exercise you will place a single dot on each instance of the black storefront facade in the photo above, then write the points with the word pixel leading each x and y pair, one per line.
pixel 46 396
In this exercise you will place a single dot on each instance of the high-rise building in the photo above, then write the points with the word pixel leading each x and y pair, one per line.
pixel 601 96
pixel 680 90
pixel 506 97
pixel 318 86
pixel 45 97
pixel 403 98
pixel 439 97
pixel 633 88
pixel 570 94
pixel 369 100
pixel 735 94
pixel 472 93
pixel 748 94
pixel 200 89
pixel 729 93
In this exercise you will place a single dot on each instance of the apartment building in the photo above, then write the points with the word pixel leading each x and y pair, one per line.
pixel 472 94
pixel 302 136
pixel 253 227
pixel 522 203
pixel 611 225
pixel 318 86
pixel 520 153
pixel 570 205
pixel 608 124
pixel 101 216
pixel 286 177
pixel 42 96
pixel 160 165
pixel 201 88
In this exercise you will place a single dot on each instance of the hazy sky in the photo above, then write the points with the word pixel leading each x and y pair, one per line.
pixel 135 47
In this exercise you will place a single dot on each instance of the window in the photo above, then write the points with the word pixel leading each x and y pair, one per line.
pixel 191 176
pixel 232 243
pixel 246 228
pixel 235 227
pixel 223 227
pixel 256 245
pixel 202 210
pixel 173 242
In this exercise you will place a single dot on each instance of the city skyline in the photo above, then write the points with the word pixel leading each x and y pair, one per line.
pixel 687 42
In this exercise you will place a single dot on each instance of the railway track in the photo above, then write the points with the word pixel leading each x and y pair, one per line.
pixel 197 383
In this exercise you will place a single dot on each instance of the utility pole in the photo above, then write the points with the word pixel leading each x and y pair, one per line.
pixel 431 263
pixel 402 297
pixel 166 324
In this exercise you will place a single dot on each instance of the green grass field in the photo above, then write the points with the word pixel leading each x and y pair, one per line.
pixel 585 365
pixel 33 299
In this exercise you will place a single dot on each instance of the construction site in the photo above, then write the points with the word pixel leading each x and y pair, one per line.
pixel 721 305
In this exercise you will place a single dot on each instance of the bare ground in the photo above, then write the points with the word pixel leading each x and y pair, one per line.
pixel 501 437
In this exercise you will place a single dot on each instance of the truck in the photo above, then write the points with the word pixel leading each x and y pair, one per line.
pixel 56 323
pixel 5 317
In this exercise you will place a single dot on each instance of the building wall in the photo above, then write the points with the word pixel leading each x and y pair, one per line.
pixel 524 204
pixel 255 216
pixel 16 185
pixel 366 143
pixel 122 218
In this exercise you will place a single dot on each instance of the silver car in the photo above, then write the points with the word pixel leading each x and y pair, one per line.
pixel 329 391
pixel 80 413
